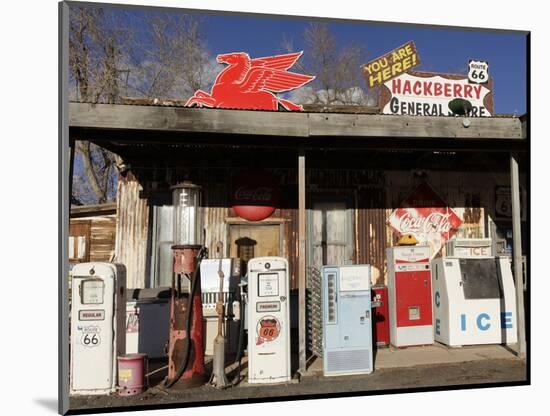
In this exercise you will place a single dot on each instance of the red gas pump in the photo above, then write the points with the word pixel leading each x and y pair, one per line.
pixel 186 341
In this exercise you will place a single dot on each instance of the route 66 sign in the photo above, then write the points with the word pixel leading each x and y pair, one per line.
pixel 503 203
pixel 91 336
pixel 478 72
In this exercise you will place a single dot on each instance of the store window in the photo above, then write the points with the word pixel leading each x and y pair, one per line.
pixel 162 239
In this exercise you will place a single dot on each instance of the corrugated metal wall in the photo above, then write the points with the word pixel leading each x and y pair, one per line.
pixel 375 194
pixel 132 227
pixel 372 232
pixel 215 213
pixel 290 243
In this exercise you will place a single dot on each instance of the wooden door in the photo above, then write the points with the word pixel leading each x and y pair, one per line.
pixel 330 233
pixel 248 241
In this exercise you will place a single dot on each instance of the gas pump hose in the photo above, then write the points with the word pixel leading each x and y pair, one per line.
pixel 188 318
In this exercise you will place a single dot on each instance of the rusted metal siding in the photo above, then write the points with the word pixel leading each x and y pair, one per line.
pixel 215 229
pixel 215 209
pixel 132 226
pixel 375 194
pixel 290 243
pixel 372 232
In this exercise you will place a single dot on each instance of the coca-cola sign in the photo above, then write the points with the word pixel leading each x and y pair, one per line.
pixel 246 194
pixel 425 215
pixel 255 195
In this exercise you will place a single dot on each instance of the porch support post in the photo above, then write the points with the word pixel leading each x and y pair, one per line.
pixel 517 260
pixel 302 258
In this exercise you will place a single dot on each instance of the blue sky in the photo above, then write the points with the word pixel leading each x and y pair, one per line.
pixel 440 49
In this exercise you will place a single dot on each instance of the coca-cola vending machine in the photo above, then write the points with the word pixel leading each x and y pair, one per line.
pixel 381 316
pixel 410 295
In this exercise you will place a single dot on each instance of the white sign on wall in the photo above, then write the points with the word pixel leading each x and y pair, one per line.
pixel 415 95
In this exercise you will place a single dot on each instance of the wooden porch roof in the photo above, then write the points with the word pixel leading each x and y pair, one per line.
pixel 304 125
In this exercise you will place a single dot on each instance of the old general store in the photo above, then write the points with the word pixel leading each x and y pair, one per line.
pixel 334 178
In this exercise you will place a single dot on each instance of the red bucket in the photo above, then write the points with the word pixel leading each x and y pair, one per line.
pixel 131 374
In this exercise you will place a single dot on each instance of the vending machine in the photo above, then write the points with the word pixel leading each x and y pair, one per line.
pixel 268 320
pixel 98 317
pixel 474 301
pixel 380 316
pixel 410 295
pixel 347 320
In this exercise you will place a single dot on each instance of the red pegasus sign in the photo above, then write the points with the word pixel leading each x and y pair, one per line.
pixel 252 83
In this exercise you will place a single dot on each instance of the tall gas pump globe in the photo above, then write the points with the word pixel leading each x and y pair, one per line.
pixel 187 214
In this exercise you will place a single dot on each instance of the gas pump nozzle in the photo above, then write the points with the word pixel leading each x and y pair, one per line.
pixel 218 379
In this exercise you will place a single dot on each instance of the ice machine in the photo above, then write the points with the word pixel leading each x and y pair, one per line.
pixel 474 301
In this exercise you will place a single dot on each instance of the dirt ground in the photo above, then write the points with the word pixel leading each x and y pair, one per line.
pixel 314 384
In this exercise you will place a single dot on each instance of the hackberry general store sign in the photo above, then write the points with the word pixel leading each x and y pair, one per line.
pixel 429 94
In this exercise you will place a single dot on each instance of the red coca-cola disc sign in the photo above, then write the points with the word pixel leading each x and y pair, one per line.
pixel 255 195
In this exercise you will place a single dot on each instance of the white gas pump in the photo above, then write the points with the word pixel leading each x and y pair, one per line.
pixel 98 314
pixel 268 320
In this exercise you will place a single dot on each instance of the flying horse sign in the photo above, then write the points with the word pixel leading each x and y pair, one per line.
pixel 252 83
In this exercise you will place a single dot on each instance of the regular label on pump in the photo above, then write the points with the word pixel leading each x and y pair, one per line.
pixel 97 315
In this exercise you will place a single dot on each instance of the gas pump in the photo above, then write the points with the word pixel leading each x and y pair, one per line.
pixel 474 296
pixel 410 295
pixel 185 344
pixel 268 320
pixel 98 317
pixel 347 320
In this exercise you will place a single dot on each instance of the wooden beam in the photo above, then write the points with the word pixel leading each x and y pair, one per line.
pixel 112 116
pixel 289 124
pixel 302 259
pixel 93 210
pixel 517 253
pixel 371 125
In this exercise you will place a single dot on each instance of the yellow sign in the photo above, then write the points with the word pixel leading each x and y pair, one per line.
pixel 125 374
pixel 391 65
